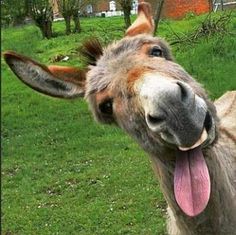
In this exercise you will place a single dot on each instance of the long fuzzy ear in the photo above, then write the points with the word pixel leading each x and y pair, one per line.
pixel 144 22
pixel 56 81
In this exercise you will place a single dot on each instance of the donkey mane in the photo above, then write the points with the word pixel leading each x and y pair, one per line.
pixel 91 51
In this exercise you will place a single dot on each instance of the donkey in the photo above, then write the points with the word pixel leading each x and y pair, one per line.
pixel 136 84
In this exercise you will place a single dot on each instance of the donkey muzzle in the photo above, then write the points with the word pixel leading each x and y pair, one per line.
pixel 172 109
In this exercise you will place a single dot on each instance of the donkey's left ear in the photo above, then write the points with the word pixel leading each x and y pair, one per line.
pixel 56 81
pixel 144 22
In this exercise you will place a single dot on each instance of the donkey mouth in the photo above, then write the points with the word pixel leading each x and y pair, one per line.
pixel 191 178
pixel 201 140
pixel 192 183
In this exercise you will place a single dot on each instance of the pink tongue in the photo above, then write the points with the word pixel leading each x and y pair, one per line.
pixel 191 181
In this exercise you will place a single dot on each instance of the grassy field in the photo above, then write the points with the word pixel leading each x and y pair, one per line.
pixel 64 174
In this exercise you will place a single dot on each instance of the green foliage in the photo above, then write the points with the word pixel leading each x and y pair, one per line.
pixel 64 174
pixel 39 5
pixel 68 6
pixel 13 12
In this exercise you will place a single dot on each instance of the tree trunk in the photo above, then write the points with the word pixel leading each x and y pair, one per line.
pixel 77 27
pixel 68 26
pixel 46 29
pixel 127 19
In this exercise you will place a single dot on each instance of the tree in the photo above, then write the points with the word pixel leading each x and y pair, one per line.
pixel 70 10
pixel 42 13
pixel 13 11
pixel 126 6
pixel 76 19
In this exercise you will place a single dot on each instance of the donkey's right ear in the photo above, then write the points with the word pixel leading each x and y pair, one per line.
pixel 144 22
pixel 56 81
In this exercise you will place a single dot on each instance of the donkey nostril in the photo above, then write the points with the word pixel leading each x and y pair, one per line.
pixel 208 121
pixel 184 91
pixel 155 120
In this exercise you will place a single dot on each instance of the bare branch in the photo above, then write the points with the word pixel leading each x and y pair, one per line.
pixel 157 15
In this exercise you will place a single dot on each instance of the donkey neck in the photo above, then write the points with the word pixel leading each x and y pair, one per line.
pixel 219 215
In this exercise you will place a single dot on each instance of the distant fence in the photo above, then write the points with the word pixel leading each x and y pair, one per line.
pixel 113 13
pixel 222 5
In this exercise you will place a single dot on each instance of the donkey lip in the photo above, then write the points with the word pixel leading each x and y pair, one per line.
pixel 200 141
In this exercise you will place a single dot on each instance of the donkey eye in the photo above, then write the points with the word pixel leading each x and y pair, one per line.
pixel 106 107
pixel 155 51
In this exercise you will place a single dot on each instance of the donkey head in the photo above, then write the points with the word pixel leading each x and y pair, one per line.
pixel 136 84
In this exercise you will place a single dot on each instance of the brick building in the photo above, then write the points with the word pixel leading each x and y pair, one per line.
pixel 177 9
pixel 174 9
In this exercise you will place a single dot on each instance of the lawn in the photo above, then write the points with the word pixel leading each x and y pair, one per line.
pixel 64 174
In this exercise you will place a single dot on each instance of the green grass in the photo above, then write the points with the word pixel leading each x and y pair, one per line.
pixel 64 174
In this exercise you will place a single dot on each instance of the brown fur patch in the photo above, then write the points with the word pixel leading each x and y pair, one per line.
pixel 144 49
pixel 134 75
pixel 69 74
pixel 102 95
